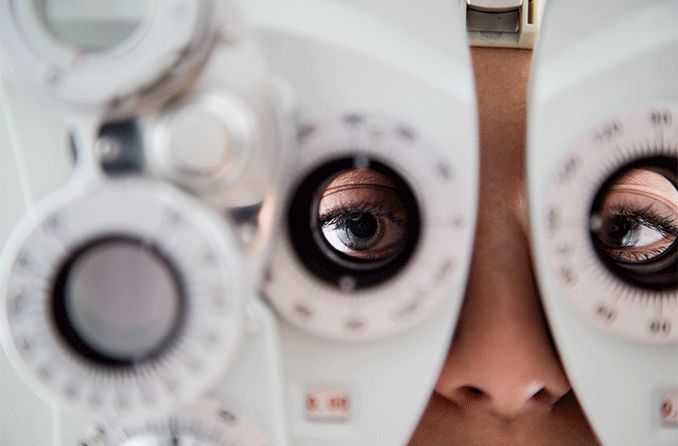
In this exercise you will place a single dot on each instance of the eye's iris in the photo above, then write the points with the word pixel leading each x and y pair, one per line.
pixel 621 231
pixel 361 231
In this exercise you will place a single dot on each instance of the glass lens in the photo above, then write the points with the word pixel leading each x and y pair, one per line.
pixel 92 25
pixel 354 222
pixel 362 216
pixel 117 301
pixel 634 223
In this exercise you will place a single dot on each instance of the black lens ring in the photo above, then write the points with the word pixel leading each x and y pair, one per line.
pixel 69 334
pixel 302 222
pixel 667 277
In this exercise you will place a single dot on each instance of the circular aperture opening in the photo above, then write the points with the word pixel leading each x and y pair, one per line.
pixel 93 25
pixel 117 301
pixel 354 222
pixel 634 223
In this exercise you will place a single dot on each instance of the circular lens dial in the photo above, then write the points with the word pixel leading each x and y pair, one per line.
pixel 105 54
pixel 354 224
pixel 611 224
pixel 634 223
pixel 94 25
pixel 378 222
pixel 121 301
pixel 118 301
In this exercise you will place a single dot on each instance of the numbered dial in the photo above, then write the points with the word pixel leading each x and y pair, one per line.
pixel 120 301
pixel 377 224
pixel 207 423
pixel 612 224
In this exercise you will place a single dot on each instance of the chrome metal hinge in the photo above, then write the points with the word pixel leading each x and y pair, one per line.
pixel 502 23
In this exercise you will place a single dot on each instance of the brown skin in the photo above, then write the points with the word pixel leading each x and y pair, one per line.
pixel 502 382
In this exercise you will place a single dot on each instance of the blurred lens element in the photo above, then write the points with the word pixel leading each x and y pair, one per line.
pixel 634 223
pixel 354 222
pixel 117 301
pixel 92 25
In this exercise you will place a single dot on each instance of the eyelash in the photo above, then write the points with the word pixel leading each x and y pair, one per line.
pixel 645 216
pixel 648 217
pixel 338 216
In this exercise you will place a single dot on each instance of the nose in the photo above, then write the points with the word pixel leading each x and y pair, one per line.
pixel 513 390
pixel 502 360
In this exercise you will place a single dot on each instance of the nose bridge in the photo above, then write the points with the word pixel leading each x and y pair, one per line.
pixel 514 375
pixel 502 360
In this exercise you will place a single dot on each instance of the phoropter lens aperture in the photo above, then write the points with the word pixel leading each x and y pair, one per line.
pixel 354 221
pixel 634 223
pixel 117 301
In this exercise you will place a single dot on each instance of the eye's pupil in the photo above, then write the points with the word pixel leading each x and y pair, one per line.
pixel 362 225
pixel 621 231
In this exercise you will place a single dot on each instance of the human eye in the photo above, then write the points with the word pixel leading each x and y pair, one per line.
pixel 361 216
pixel 637 234
pixel 363 230
pixel 637 221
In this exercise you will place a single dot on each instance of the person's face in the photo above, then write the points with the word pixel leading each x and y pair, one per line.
pixel 502 382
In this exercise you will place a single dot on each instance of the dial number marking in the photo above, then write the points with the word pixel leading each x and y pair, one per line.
pixel 594 194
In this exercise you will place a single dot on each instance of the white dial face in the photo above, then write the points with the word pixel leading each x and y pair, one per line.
pixel 611 217
pixel 206 423
pixel 120 301
pixel 377 224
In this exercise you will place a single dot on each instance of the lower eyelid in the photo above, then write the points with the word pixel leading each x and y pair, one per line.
pixel 641 254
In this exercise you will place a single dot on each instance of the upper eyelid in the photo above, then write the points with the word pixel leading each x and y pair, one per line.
pixel 333 215
pixel 345 208
pixel 646 214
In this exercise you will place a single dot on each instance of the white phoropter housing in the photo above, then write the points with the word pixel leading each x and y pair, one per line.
pixel 384 87
pixel 101 109
pixel 611 113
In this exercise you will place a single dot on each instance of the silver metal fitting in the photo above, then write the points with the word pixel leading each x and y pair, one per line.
pixel 502 23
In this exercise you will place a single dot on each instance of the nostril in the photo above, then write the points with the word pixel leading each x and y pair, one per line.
pixel 506 404
pixel 470 394
pixel 542 396
pixel 475 391
pixel 546 398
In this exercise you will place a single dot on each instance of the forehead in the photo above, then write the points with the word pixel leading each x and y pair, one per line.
pixel 501 78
